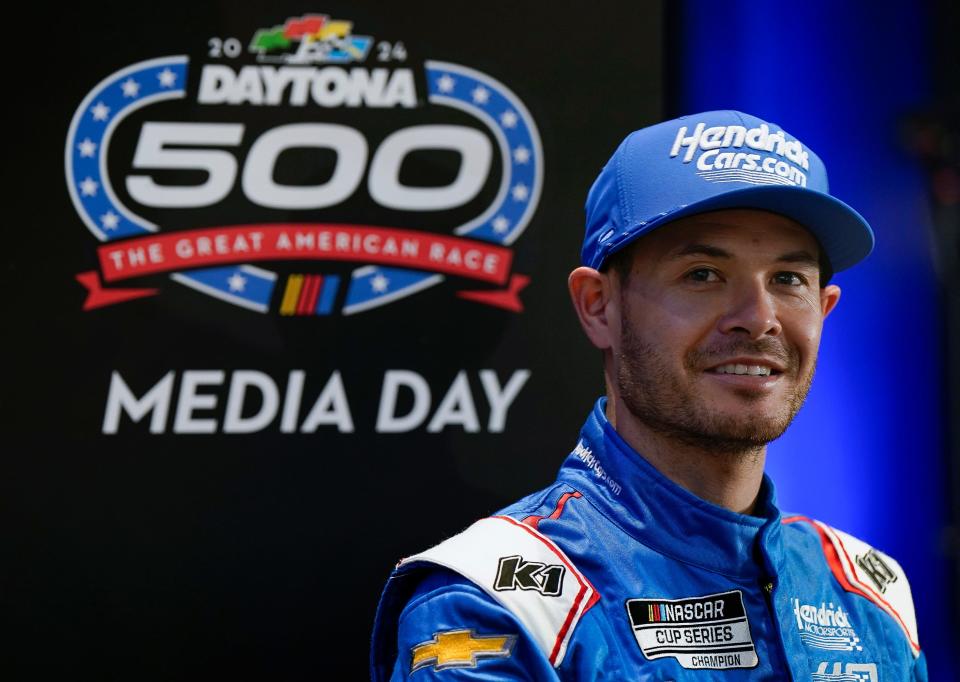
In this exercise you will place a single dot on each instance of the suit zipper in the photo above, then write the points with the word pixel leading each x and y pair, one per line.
pixel 767 585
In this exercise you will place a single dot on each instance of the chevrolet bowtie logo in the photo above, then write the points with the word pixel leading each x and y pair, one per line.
pixel 460 649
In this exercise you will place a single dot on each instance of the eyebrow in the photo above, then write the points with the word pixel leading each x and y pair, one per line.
pixel 701 250
pixel 800 256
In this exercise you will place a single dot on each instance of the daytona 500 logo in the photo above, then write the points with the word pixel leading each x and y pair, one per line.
pixel 311 148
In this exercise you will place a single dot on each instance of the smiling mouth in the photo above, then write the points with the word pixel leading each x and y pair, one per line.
pixel 745 370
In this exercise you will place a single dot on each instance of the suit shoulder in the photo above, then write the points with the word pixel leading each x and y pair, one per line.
pixel 522 571
pixel 499 565
pixel 864 570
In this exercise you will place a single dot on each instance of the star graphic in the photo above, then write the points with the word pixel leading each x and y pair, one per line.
pixel 237 282
pixel 520 192
pixel 480 95
pixel 446 83
pixel 87 148
pixel 88 187
pixel 167 78
pixel 110 220
pixel 130 87
pixel 500 224
pixel 508 119
pixel 521 154
pixel 379 284
pixel 100 111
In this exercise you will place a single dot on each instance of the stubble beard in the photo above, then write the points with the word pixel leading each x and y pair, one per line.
pixel 666 405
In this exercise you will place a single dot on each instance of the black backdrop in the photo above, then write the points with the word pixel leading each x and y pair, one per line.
pixel 139 555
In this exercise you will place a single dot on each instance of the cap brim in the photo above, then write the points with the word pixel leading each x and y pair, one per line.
pixel 843 233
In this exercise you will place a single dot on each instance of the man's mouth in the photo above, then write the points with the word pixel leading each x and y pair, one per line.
pixel 750 370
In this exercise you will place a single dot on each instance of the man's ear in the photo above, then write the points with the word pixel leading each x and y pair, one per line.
pixel 829 297
pixel 591 292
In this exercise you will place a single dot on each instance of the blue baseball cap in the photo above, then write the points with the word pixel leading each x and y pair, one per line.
pixel 711 161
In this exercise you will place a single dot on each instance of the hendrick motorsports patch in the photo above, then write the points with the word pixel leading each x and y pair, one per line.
pixel 699 632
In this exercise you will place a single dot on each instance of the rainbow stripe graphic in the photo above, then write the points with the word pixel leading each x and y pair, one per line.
pixel 309 295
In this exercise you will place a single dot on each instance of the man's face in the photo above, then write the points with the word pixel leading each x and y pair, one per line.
pixel 719 328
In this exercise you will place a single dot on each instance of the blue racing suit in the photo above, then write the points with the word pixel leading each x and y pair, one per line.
pixel 616 573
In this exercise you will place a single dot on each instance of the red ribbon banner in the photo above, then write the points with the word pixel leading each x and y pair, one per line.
pixel 305 241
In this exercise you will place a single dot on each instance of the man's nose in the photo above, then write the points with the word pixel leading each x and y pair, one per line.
pixel 752 311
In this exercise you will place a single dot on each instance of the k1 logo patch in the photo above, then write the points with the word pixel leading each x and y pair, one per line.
pixel 877 570
pixel 710 632
pixel 513 572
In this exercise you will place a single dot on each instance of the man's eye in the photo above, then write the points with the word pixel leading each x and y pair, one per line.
pixel 703 275
pixel 792 279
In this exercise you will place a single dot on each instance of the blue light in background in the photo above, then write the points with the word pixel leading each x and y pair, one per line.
pixel 866 454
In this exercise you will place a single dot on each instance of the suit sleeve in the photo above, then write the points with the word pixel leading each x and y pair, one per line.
pixel 451 630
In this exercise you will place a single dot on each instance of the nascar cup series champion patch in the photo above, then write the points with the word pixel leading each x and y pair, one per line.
pixel 700 632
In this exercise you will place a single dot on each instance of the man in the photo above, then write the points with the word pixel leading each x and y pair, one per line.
pixel 659 552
